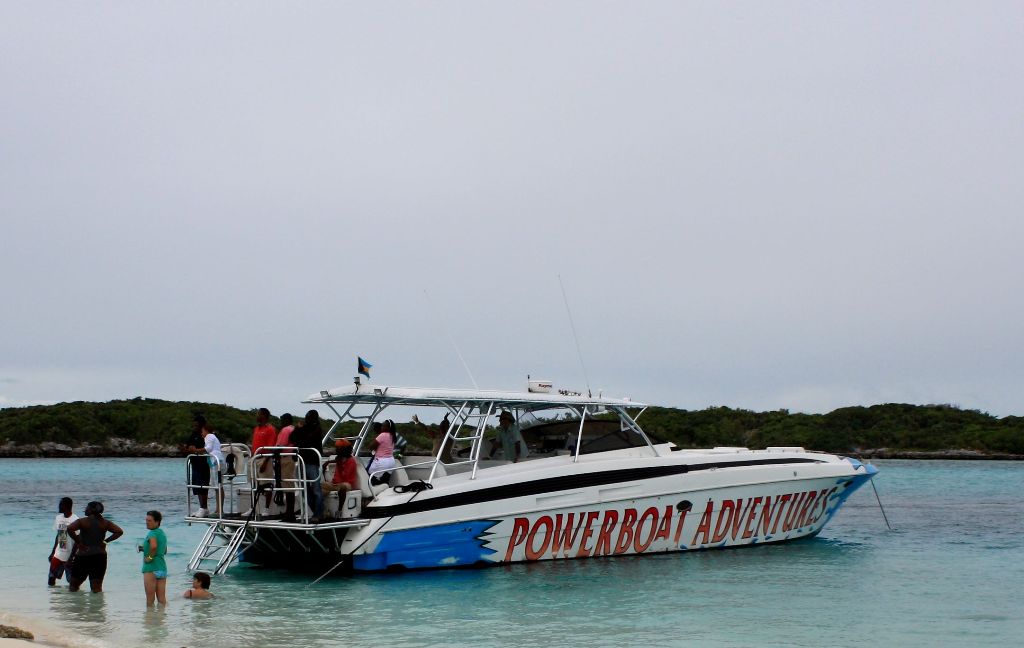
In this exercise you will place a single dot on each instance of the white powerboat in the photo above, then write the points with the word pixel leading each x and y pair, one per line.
pixel 594 484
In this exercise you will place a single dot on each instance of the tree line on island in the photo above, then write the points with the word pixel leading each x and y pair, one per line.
pixel 146 426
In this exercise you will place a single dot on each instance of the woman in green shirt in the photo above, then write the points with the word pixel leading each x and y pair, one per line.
pixel 154 567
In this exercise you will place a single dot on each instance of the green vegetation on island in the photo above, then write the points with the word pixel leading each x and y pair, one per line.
pixel 155 427
pixel 847 430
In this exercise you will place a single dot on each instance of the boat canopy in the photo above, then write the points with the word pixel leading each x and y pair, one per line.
pixel 471 409
pixel 374 394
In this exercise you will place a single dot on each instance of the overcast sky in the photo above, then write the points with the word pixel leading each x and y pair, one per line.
pixel 797 205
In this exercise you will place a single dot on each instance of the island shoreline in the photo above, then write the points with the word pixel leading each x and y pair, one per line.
pixel 126 449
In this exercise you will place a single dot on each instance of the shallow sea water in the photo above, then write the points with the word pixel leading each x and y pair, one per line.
pixel 951 574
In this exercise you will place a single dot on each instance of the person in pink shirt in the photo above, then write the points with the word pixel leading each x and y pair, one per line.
pixel 287 425
pixel 287 465
pixel 264 435
pixel 383 447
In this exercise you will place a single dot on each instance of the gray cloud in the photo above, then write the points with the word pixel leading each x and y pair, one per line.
pixel 791 206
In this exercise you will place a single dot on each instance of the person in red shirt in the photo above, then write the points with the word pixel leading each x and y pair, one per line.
pixel 263 435
pixel 345 476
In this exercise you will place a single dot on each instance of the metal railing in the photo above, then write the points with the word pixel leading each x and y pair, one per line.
pixel 225 486
pixel 300 483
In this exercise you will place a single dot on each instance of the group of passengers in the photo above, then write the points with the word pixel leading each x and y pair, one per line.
pixel 275 467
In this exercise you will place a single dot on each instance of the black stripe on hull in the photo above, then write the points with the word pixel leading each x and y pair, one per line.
pixel 555 484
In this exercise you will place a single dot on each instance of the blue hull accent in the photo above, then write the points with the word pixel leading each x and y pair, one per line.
pixel 446 545
pixel 847 486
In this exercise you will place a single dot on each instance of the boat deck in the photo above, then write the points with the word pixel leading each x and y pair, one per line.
pixel 238 522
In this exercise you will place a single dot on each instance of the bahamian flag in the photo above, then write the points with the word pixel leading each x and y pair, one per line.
pixel 363 367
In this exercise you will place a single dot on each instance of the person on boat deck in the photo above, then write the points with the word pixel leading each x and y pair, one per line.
pixel 383 448
pixel 512 445
pixel 263 435
pixel 199 467
pixel 200 587
pixel 287 464
pixel 90 534
pixel 154 566
pixel 211 445
pixel 437 437
pixel 63 547
pixel 345 476
pixel 309 440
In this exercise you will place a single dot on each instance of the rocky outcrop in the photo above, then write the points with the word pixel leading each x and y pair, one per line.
pixel 114 447
pixel 10 632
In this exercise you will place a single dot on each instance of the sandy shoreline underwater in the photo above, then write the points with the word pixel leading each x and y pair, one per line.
pixel 45 633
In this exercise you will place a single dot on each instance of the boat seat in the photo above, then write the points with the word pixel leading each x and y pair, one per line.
pixel 364 479
pixel 398 476
pixel 423 472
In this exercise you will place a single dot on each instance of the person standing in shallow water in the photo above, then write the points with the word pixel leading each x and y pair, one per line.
pixel 154 566
pixel 90 534
pixel 63 546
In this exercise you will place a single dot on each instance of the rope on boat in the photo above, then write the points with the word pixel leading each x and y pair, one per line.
pixel 353 552
pixel 252 509
pixel 880 507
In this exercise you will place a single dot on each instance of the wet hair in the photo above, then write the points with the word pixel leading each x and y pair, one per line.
pixel 94 508
pixel 203 578
pixel 200 419
pixel 65 505
pixel 286 418
pixel 264 411
pixel 156 515
pixel 345 451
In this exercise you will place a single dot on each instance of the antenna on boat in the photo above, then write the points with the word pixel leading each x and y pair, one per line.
pixel 456 346
pixel 574 336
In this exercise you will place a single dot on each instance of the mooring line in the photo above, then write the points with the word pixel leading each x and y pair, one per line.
pixel 881 508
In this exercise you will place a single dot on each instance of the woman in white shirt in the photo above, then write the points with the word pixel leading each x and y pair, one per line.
pixel 212 447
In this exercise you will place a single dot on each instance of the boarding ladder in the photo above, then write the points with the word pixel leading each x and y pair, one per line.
pixel 220 546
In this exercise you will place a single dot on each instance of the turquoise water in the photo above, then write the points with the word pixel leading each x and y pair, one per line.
pixel 951 574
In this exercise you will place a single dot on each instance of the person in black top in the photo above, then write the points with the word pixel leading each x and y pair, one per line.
pixel 195 445
pixel 90 536
pixel 309 440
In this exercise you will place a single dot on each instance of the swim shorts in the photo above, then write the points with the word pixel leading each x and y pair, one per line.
pixel 93 567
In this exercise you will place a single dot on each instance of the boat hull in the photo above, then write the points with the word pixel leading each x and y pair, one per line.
pixel 684 520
